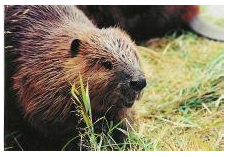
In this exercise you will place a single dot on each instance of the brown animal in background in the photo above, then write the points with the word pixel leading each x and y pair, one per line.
pixel 46 47
pixel 145 22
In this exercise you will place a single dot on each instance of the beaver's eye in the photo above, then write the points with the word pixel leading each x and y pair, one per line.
pixel 107 65
pixel 75 47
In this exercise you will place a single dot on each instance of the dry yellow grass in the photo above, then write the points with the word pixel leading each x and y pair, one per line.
pixel 182 106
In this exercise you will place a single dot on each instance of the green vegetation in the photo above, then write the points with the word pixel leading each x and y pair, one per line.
pixel 182 107
pixel 89 139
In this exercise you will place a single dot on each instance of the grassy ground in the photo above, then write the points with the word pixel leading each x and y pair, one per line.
pixel 182 106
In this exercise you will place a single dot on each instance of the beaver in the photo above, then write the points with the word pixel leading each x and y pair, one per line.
pixel 47 48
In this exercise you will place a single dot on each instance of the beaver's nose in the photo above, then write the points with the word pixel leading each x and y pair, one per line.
pixel 138 84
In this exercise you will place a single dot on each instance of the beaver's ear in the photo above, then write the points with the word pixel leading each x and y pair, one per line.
pixel 75 47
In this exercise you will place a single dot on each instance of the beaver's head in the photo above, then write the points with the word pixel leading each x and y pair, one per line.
pixel 108 60
pixel 51 53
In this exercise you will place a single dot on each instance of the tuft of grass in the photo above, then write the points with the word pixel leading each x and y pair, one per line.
pixel 89 139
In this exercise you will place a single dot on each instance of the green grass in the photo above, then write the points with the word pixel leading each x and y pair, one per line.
pixel 182 107
pixel 89 139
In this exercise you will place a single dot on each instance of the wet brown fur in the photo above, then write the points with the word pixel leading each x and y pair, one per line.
pixel 40 37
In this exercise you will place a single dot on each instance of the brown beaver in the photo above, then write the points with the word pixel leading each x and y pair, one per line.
pixel 46 48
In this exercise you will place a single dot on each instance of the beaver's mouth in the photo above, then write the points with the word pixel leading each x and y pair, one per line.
pixel 128 99
pixel 123 96
pixel 129 103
